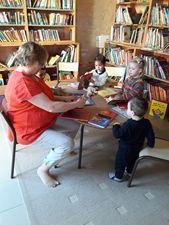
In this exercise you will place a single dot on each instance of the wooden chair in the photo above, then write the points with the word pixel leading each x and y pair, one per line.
pixel 116 72
pixel 159 152
pixel 3 111
pixel 67 67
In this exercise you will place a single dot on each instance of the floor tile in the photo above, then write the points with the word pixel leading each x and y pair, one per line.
pixel 10 195
pixel 15 216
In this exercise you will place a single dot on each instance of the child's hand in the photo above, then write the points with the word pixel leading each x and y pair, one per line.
pixel 91 91
pixel 117 97
pixel 116 123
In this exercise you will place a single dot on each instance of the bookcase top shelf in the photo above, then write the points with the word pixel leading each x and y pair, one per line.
pixel 50 9
pixel 11 8
pixel 133 3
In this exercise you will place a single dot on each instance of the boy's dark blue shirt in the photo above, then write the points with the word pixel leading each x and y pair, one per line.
pixel 133 133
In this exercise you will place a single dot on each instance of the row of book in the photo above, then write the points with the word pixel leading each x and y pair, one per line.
pixel 11 3
pixel 55 4
pixel 67 55
pixel 154 38
pixel 11 17
pixel 13 35
pixel 123 15
pixel 128 15
pixel 50 19
pixel 156 69
pixel 44 35
pixel 158 93
pixel 160 15
pixel 117 55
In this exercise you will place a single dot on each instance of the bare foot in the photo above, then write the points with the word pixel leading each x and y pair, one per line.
pixel 47 178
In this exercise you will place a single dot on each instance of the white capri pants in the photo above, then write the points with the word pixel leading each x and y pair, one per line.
pixel 59 139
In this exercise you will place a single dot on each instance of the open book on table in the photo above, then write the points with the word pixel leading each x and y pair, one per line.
pixel 102 119
pixel 77 114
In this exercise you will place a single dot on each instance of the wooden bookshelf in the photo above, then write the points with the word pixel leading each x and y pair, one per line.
pixel 153 27
pixel 56 20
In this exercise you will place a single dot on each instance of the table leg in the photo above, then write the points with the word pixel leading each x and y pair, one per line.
pixel 81 145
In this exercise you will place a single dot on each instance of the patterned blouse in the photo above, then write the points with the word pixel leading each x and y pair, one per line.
pixel 132 87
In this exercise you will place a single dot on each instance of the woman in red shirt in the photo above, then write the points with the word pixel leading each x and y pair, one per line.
pixel 33 109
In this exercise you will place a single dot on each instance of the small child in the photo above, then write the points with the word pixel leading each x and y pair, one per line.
pixel 131 137
pixel 95 78
pixel 133 85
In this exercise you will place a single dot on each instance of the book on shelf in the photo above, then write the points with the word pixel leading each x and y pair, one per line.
pixel 158 109
pixel 44 35
pixel 1 80
pixel 10 59
pixel 2 66
pixel 102 119
pixel 53 60
pixel 77 114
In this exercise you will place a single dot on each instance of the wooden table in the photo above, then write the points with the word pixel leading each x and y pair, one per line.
pixel 100 105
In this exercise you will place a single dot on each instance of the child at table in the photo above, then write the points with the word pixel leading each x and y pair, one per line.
pixel 133 86
pixel 131 135
pixel 96 78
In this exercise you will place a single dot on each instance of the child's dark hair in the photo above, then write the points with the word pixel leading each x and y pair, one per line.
pixel 100 58
pixel 30 53
pixel 139 106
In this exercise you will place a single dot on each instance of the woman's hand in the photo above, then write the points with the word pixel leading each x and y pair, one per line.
pixel 69 98
pixel 80 102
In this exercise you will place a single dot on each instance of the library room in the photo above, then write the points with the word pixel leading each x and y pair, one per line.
pixel 84 112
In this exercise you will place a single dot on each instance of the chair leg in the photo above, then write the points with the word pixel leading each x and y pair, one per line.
pixel 13 159
pixel 134 170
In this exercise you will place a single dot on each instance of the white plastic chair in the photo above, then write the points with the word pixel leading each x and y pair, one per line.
pixel 159 152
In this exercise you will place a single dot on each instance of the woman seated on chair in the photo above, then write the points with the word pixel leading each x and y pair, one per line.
pixel 34 110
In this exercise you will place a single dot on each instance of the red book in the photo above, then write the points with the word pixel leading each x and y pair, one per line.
pixel 77 114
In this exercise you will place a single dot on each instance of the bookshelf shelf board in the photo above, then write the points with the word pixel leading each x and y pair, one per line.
pixel 129 24
pixel 65 42
pixel 162 54
pixel 38 25
pixel 11 25
pixel 157 79
pixel 125 44
pixel 50 9
pixel 11 8
pixel 6 44
pixel 134 3
pixel 159 26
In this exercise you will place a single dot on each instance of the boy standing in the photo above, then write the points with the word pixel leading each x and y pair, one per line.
pixel 131 136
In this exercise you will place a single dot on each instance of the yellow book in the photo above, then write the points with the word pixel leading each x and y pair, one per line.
pixel 158 109
pixel 53 60
pixel 107 92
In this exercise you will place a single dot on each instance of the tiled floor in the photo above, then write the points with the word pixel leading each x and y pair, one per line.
pixel 12 207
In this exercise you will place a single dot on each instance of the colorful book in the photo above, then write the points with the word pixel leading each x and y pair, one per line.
pixel 89 101
pixel 102 119
pixel 77 114
pixel 107 92
pixel 158 109
pixel 121 109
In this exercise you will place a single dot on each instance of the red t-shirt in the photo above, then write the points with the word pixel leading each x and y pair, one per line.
pixel 28 120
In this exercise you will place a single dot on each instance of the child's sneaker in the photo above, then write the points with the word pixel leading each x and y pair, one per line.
pixel 126 174
pixel 113 177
